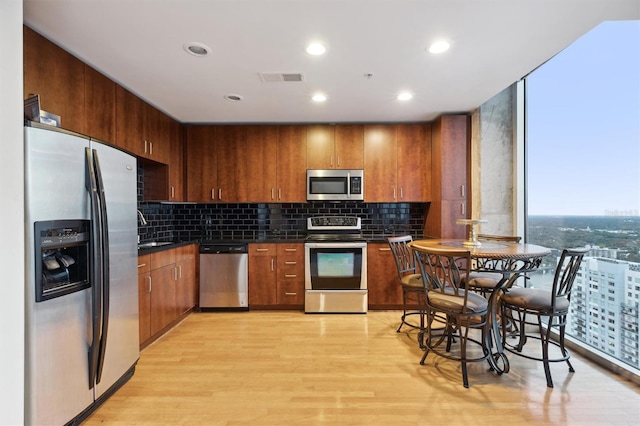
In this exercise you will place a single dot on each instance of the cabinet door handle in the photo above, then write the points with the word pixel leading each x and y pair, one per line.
pixel 338 161
pixel 462 209
pixel 140 265
pixel 273 193
pixel 462 191
pixel 290 249
pixel 394 192
pixel 331 161
pixel 290 275
pixel 262 249
pixel 290 263
pixel 290 294
pixel 173 192
pixel 219 193
pixel 273 265
pixel 401 194
pixel 384 249
pixel 180 272
pixel 175 274
pixel 213 194
pixel 145 147
pixel 149 290
pixel 279 193
pixel 150 148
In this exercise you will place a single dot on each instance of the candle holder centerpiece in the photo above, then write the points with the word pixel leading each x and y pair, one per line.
pixel 472 241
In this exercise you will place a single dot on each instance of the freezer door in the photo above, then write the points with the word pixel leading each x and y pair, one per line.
pixel 57 333
pixel 122 340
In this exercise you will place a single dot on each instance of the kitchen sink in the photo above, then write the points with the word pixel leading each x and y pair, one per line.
pixel 154 244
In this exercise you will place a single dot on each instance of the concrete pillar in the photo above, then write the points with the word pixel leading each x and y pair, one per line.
pixel 493 164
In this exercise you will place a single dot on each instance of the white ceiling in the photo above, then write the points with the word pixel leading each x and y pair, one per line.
pixel 139 44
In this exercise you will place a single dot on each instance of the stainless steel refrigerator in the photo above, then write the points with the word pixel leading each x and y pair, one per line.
pixel 82 340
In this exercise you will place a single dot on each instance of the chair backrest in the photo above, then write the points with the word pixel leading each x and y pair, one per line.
pixel 499 238
pixel 566 273
pixel 403 255
pixel 442 271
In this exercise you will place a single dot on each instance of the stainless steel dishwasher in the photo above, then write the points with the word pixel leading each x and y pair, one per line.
pixel 224 270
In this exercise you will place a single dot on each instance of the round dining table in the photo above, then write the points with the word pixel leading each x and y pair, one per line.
pixel 512 260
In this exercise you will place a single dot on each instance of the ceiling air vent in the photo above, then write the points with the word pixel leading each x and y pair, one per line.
pixel 276 77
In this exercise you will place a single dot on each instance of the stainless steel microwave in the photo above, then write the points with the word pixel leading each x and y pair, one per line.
pixel 335 185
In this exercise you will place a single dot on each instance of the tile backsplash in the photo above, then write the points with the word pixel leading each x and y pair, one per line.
pixel 257 221
pixel 264 221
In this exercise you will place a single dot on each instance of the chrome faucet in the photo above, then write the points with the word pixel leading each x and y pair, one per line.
pixel 143 221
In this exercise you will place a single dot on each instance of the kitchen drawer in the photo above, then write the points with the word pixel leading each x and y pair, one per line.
pixel 262 249
pixel 144 264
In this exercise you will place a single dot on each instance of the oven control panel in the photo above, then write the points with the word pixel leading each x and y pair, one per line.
pixel 333 223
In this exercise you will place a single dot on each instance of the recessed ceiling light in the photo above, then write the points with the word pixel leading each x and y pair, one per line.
pixel 319 97
pixel 316 49
pixel 233 98
pixel 196 49
pixel 439 46
pixel 404 96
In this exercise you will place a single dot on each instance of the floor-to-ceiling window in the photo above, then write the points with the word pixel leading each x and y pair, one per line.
pixel 583 181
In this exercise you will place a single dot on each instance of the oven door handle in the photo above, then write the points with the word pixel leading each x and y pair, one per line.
pixel 336 244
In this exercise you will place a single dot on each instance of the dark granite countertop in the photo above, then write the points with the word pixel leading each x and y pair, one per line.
pixel 268 239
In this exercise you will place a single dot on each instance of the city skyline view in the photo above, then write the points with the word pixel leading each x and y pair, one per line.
pixel 583 126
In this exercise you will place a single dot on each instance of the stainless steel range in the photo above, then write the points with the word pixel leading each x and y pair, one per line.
pixel 335 265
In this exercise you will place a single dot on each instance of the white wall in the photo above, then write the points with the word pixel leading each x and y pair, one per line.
pixel 11 216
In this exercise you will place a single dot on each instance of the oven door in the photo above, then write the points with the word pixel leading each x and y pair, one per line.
pixel 336 277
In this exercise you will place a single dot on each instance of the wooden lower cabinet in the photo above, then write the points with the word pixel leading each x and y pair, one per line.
pixel 167 289
pixel 276 275
pixel 262 275
pixel 382 278
pixel 144 296
pixel 187 284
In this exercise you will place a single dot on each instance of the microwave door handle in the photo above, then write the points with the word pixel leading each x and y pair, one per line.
pixel 348 185
pixel 104 231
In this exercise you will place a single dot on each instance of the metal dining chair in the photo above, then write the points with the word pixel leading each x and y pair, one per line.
pixel 484 282
pixel 448 297
pixel 409 279
pixel 550 305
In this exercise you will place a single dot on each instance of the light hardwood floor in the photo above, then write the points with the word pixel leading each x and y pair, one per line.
pixel 288 368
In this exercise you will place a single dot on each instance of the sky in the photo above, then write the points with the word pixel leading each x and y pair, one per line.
pixel 583 126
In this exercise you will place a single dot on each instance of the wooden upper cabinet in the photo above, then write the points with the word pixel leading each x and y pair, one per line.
pixel 130 126
pixel 414 162
pixel 142 129
pixel 229 143
pixel 350 146
pixel 176 163
pixel 335 146
pixel 380 163
pixel 291 163
pixel 321 147
pixel 157 134
pixel 451 136
pixel 397 163
pixel 246 170
pixel 202 165
pixel 260 177
pixel 99 106
pixel 57 76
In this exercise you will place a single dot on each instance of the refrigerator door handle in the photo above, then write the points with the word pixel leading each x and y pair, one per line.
pixel 104 231
pixel 96 267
